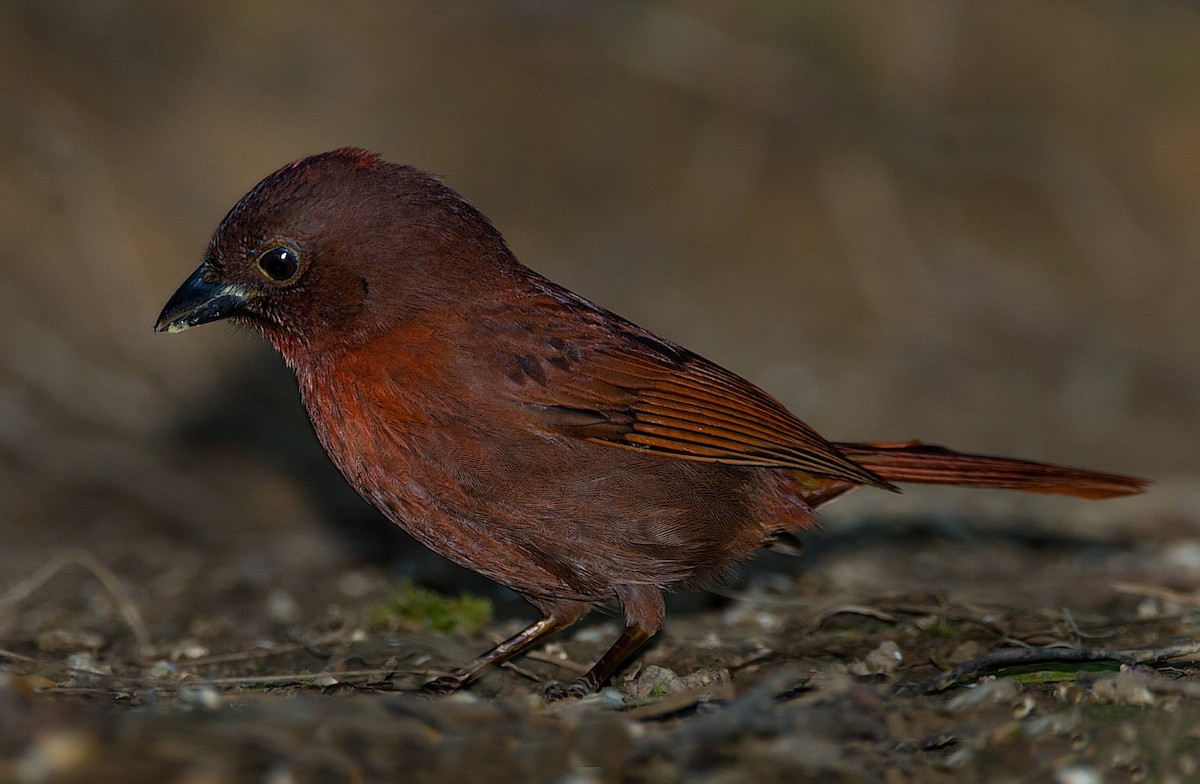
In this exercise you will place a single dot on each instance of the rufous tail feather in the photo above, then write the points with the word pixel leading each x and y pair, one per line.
pixel 913 461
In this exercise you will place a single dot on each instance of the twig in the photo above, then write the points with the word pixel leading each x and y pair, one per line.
pixel 129 611
pixel 1076 635
pixel 236 656
pixel 267 680
pixel 17 657
pixel 721 691
pixel 566 664
pixel 266 650
pixel 1014 657
pixel 1157 592
pixel 849 609
pixel 519 670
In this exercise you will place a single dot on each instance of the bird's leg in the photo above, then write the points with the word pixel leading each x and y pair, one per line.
pixel 632 638
pixel 644 613
pixel 557 617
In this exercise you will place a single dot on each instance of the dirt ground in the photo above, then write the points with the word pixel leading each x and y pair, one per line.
pixel 296 666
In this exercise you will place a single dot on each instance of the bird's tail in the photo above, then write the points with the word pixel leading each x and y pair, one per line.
pixel 913 461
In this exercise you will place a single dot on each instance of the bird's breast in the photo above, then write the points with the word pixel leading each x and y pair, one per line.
pixel 541 512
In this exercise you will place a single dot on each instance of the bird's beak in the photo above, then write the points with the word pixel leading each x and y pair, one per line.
pixel 199 301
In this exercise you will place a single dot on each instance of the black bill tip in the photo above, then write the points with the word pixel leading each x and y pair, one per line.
pixel 199 301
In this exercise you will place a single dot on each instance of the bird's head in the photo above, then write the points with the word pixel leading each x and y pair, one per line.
pixel 334 247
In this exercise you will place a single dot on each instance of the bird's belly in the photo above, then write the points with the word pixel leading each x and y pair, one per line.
pixel 569 517
pixel 556 516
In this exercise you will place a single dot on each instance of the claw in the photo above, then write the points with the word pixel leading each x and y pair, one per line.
pixel 581 687
pixel 554 692
pixel 441 686
pixel 576 689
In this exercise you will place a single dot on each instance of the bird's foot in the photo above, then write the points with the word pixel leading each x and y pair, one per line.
pixel 442 686
pixel 575 689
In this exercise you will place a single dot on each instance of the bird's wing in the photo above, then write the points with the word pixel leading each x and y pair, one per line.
pixel 605 380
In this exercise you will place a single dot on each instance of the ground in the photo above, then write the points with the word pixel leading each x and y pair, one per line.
pixel 809 668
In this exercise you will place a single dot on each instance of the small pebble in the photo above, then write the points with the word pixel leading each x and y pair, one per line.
pixel 1078 774
pixel 203 697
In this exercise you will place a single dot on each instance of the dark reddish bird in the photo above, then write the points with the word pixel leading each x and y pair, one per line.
pixel 513 426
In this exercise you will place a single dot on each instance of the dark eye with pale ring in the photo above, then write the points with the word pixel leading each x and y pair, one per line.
pixel 279 264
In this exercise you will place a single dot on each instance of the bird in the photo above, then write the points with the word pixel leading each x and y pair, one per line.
pixel 516 428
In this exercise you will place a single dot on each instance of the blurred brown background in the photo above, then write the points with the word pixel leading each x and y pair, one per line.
pixel 976 223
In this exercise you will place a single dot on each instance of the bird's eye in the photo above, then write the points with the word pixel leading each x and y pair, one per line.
pixel 279 264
